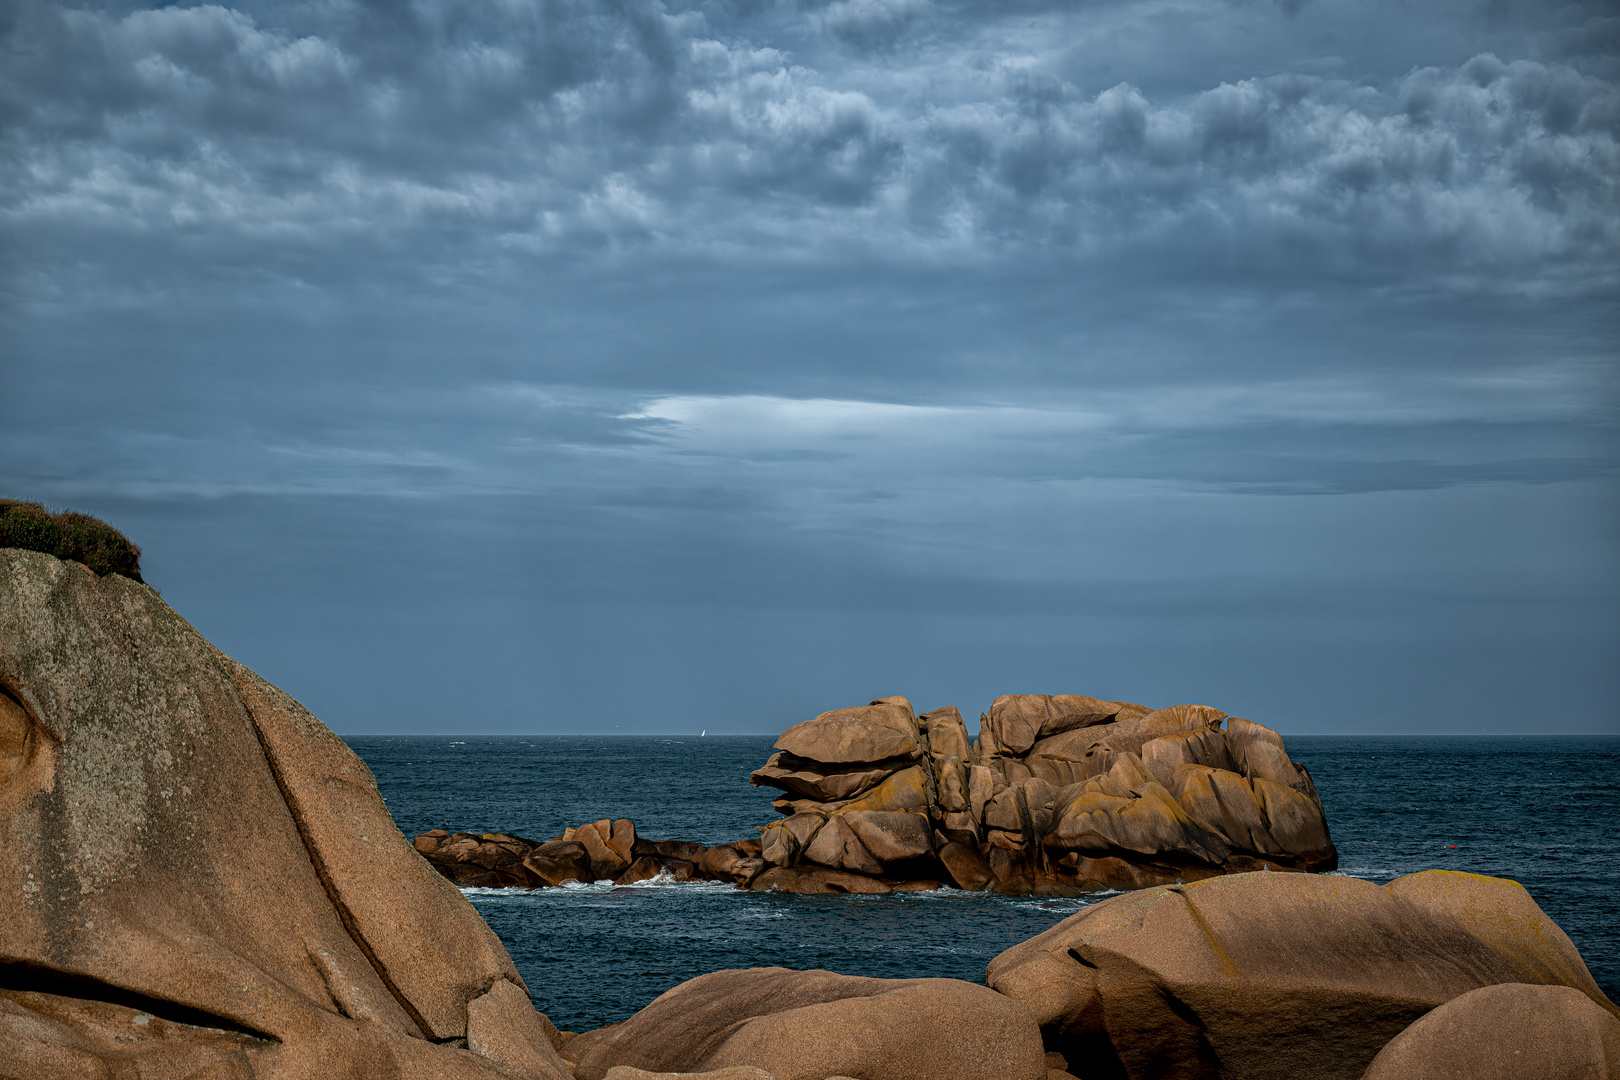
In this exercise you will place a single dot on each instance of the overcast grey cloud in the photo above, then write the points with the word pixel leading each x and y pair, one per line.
pixel 558 364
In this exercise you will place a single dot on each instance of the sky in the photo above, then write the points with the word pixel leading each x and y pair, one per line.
pixel 629 367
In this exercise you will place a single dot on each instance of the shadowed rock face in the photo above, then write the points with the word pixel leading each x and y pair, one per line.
pixel 1261 976
pixel 186 845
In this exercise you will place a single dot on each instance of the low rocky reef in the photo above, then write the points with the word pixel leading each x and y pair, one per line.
pixel 600 851
pixel 1059 795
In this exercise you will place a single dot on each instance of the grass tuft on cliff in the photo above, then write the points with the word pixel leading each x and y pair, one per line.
pixel 67 535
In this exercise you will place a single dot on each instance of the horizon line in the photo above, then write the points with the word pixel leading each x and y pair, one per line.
pixel 767 735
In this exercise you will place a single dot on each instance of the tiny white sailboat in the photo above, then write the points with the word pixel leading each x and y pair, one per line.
pixel 702 733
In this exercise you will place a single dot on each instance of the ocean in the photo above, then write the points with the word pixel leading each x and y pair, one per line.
pixel 1544 811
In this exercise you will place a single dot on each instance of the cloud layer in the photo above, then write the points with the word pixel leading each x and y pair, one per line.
pixel 550 126
pixel 1291 320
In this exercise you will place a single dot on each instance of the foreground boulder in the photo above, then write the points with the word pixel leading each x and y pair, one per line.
pixel 201 879
pixel 1512 1031
pixel 810 1025
pixel 1276 975
pixel 1060 794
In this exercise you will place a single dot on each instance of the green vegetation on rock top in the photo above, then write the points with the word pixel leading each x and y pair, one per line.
pixel 67 535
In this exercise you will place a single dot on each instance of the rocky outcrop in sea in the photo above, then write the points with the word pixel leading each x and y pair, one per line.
pixel 1059 795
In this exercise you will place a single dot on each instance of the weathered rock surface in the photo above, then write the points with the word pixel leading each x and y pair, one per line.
pixel 816 879
pixel 1018 721
pixel 813 780
pixel 557 862
pixel 876 732
pixel 810 1025
pixel 202 880
pixel 1061 794
pixel 685 850
pixel 836 845
pixel 1276 975
pixel 732 862
pixel 1511 1031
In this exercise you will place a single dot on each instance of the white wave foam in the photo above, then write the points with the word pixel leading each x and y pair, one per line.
pixel 597 888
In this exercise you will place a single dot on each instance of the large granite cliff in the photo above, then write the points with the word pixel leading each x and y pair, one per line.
pixel 201 879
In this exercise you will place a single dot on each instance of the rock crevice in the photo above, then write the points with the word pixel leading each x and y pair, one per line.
pixel 335 897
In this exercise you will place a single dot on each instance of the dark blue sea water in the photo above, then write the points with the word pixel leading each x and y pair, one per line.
pixel 1543 811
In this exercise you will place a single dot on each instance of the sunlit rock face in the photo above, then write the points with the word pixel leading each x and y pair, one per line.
pixel 1059 794
pixel 200 876
pixel 1267 976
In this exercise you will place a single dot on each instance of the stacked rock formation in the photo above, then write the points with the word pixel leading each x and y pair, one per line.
pixel 1059 794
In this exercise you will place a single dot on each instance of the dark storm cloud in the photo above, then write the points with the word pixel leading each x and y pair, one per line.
pixel 867 24
pixel 537 127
